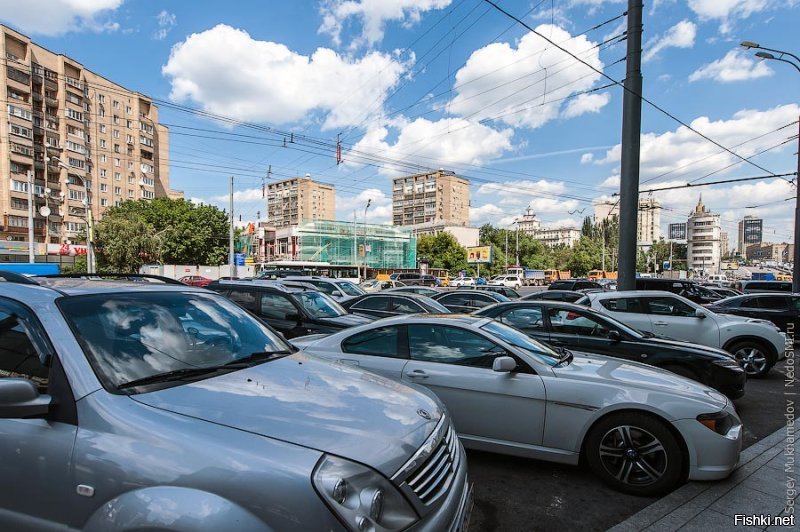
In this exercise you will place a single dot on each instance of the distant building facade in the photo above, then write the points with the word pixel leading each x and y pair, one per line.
pixel 465 235
pixel 430 197
pixel 751 231
pixel 767 251
pixel 292 201
pixel 703 235
pixel 529 224
pixel 648 227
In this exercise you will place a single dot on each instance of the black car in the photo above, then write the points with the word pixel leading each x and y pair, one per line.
pixel 722 291
pixel 415 279
pixel 757 287
pixel 688 289
pixel 507 291
pixel 293 311
pixel 421 290
pixel 584 329
pixel 780 309
pixel 574 284
pixel 570 296
pixel 466 301
pixel 385 305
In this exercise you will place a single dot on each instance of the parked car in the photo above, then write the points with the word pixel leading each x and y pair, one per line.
pixel 421 290
pixel 688 289
pixel 723 292
pixel 755 287
pixel 480 281
pixel 463 281
pixel 292 311
pixel 385 305
pixel 338 289
pixel 640 429
pixel 510 293
pixel 583 329
pixel 570 296
pixel 444 281
pixel 757 344
pixel 415 279
pixel 607 284
pixel 573 284
pixel 780 309
pixel 466 301
pixel 195 280
pixel 141 407
pixel 511 281
pixel 719 279
pixel 375 285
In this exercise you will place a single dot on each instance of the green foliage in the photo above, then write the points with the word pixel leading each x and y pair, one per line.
pixel 79 266
pixel 161 230
pixel 443 251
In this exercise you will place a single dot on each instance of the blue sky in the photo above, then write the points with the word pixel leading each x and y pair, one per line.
pixel 452 84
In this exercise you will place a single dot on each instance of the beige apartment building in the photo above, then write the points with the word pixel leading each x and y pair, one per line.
pixel 434 196
pixel 86 140
pixel 648 226
pixel 293 201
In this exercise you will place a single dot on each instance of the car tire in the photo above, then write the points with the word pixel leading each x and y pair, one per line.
pixel 635 453
pixel 516 287
pixel 753 356
pixel 683 371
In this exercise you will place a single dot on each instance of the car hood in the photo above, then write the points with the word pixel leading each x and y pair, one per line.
pixel 348 320
pixel 626 375
pixel 307 401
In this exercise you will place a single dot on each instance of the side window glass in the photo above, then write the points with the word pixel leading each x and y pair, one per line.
pixel 668 306
pixel 405 306
pixel 526 319
pixel 454 299
pixel 626 304
pixel 18 356
pixel 378 342
pixel 245 298
pixel 324 287
pixel 749 303
pixel 480 301
pixel 372 303
pixel 276 307
pixel 569 322
pixel 451 345
pixel 773 302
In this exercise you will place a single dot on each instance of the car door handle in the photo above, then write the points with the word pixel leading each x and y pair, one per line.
pixel 660 323
pixel 416 374
pixel 349 361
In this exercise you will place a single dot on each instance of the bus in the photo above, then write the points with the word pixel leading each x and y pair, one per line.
pixel 283 268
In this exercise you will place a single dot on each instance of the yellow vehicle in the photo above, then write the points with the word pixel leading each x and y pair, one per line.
pixel 783 277
pixel 594 275
pixel 445 280
pixel 556 275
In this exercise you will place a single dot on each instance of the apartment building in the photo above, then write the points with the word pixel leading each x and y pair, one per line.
pixel 434 196
pixel 751 231
pixel 648 227
pixel 85 140
pixel 299 199
pixel 703 235
pixel 558 236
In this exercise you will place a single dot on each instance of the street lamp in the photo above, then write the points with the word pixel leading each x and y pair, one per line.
pixel 369 202
pixel 796 64
pixel 90 258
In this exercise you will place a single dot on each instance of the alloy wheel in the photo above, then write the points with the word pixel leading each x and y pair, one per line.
pixel 752 359
pixel 633 455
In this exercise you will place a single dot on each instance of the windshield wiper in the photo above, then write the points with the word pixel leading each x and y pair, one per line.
pixel 257 358
pixel 182 373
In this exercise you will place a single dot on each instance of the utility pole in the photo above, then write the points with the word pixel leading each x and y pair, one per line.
pixel 355 243
pixel 231 253
pixel 631 132
pixel 796 263
pixel 517 264
pixel 31 243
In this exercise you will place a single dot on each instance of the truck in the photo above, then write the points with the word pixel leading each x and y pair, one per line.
pixel 763 276
pixel 528 277
pixel 556 275
pixel 594 275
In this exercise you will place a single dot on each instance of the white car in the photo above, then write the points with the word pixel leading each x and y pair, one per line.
pixel 511 281
pixel 375 285
pixel 756 344
pixel 640 429
pixel 338 289
pixel 463 281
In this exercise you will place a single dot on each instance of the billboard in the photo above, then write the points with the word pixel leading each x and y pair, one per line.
pixel 479 255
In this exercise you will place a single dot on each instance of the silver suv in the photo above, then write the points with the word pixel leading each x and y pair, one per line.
pixel 133 406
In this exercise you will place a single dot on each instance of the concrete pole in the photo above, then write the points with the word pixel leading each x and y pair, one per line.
pixel 231 252
pixel 31 243
pixel 796 264
pixel 629 167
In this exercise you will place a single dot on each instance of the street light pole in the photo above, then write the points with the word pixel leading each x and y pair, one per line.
pixel 31 244
pixel 369 202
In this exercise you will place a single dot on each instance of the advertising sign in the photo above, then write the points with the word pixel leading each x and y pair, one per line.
pixel 479 255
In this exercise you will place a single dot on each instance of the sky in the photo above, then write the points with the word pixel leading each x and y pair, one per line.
pixel 263 90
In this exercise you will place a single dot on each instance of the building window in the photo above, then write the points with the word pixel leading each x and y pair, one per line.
pixel 76 163
pixel 117 191
pixel 19 112
pixel 115 104
pixel 148 194
pixel 101 98
pixel 19 204
pixel 102 174
pixel 74 146
pixel 76 195
pixel 21 131
pixel 75 115
pixel 130 193
pixel 102 143
pixel 117 162
pixel 117 176
pixel 103 187
pixel 102 128
pixel 103 158
pixel 103 202
pixel 116 133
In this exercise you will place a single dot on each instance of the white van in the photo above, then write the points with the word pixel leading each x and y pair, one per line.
pixel 719 279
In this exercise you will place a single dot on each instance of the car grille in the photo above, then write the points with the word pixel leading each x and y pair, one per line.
pixel 434 476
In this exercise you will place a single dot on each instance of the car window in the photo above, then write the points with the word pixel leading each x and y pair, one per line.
pixel 348 289
pixel 379 342
pixel 454 299
pixel 245 298
pixel 795 303
pixel 623 304
pixel 405 306
pixel 524 318
pixel 18 356
pixel 669 306
pixel 276 306
pixel 751 302
pixel 565 321
pixel 553 296
pixel 451 345
pixel 319 305
pixel 571 298
pixel 773 302
pixel 372 303
pixel 480 300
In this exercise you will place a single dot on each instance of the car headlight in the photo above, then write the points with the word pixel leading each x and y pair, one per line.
pixel 729 363
pixel 362 498
pixel 720 422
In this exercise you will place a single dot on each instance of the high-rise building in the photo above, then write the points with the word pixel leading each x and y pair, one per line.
pixel 751 231
pixel 435 196
pixel 85 140
pixel 648 227
pixel 299 199
pixel 703 235
pixel 724 244
pixel 529 223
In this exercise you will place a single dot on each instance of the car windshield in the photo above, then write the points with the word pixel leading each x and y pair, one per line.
pixel 131 336
pixel 319 305
pixel 522 341
pixel 349 288
pixel 435 306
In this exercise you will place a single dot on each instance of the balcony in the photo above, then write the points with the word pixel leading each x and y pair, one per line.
pixel 50 102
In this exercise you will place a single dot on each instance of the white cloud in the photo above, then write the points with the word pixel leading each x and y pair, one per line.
pixel 447 142
pixel 735 66
pixel 561 222
pixel 586 103
pixel 681 148
pixel 681 35
pixel 586 158
pixel 379 212
pixel 726 12
pixel 373 15
pixel 269 82
pixel 250 195
pixel 527 85
pixel 491 214
pixel 506 201
pixel 56 17
pixel 166 21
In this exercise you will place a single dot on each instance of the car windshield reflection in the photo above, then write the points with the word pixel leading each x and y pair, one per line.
pixel 518 339
pixel 319 305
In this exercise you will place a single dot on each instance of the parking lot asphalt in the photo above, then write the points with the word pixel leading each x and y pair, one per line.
pixel 520 494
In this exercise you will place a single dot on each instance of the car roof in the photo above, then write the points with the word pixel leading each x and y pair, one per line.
pixel 258 283
pixel 49 289
pixel 629 293
pixel 453 319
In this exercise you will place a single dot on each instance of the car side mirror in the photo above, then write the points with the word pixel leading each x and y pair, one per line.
pixel 336 293
pixel 614 336
pixel 699 313
pixel 19 398
pixel 504 364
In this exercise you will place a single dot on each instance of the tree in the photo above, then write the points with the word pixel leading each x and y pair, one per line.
pixel 443 250
pixel 125 243
pixel 588 228
pixel 186 233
